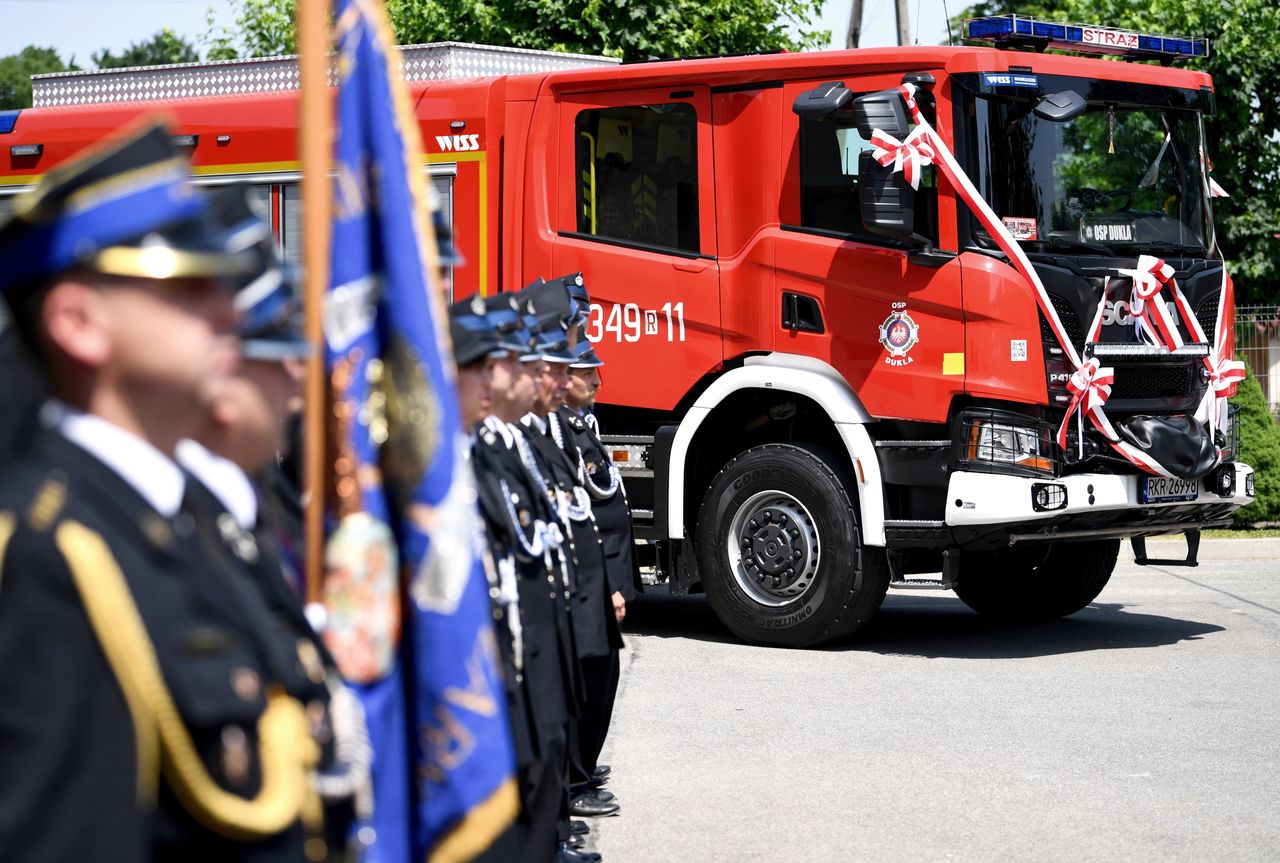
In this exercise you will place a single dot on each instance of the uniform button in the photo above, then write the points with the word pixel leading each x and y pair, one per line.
pixel 246 683
pixel 235 754
pixel 318 717
pixel 309 657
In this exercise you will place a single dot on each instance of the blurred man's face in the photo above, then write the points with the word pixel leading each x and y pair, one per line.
pixel 251 411
pixel 512 389
pixel 475 386
pixel 168 345
pixel 552 383
pixel 583 386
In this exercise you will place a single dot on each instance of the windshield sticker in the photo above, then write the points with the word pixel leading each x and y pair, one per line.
pixel 1021 228
pixel 1107 231
pixel 899 334
pixel 1010 79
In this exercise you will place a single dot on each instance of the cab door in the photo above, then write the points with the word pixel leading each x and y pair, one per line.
pixel 893 321
pixel 635 213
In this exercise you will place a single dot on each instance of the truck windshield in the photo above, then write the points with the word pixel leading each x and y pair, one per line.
pixel 1122 178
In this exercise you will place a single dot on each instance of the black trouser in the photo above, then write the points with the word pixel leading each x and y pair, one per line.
pixel 544 801
pixel 600 678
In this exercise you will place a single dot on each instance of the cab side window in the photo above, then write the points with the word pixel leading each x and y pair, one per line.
pixel 637 175
pixel 830 154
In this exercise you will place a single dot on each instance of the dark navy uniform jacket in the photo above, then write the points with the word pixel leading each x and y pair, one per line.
pixel 613 515
pixel 80 776
pixel 593 617
pixel 511 507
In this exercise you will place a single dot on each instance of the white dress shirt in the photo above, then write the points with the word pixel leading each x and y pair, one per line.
pixel 153 474
pixel 229 484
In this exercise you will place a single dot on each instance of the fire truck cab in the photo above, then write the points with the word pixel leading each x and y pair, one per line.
pixel 822 380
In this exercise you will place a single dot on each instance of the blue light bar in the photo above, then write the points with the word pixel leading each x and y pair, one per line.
pixel 1007 30
pixel 8 119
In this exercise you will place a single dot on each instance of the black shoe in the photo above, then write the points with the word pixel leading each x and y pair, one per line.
pixel 600 794
pixel 576 842
pixel 587 806
pixel 597 782
pixel 570 855
pixel 578 828
pixel 602 771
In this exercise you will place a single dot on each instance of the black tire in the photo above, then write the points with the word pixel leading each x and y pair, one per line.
pixel 1036 583
pixel 834 586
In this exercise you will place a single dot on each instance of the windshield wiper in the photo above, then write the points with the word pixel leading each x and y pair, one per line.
pixel 1184 249
pixel 1047 246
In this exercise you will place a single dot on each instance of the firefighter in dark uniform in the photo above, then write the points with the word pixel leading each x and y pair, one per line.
pixel 143 717
pixel 228 462
pixel 594 619
pixel 525 543
pixel 475 354
pixel 579 434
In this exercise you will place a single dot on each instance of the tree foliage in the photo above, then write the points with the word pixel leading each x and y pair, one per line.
pixel 263 28
pixel 16 71
pixel 163 48
pixel 1244 60
pixel 630 29
pixel 1259 448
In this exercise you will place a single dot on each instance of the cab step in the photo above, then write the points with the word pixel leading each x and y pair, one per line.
pixel 950 572
pixel 1140 552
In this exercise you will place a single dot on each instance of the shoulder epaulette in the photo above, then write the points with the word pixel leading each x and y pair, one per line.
pixel 7 524
pixel 48 503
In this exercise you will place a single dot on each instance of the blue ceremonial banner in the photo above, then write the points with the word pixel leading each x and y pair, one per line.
pixel 410 621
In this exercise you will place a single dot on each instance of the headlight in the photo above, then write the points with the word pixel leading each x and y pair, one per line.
pixel 998 444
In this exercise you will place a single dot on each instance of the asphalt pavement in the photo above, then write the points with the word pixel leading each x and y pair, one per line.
pixel 1142 728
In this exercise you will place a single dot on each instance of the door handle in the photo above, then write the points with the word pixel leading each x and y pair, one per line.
pixel 692 265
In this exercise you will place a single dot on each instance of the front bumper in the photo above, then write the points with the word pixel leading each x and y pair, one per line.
pixel 996 509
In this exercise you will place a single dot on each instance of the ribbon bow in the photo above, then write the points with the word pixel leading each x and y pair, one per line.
pixel 909 156
pixel 1223 375
pixel 1090 387
pixel 1149 277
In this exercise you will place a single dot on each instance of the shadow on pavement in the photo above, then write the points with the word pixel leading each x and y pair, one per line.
pixel 941 626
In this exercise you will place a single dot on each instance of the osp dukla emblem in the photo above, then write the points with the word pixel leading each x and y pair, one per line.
pixel 899 334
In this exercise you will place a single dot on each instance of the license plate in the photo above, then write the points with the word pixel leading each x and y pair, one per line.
pixel 1160 489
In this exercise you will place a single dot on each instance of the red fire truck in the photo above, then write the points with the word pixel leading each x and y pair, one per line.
pixel 867 315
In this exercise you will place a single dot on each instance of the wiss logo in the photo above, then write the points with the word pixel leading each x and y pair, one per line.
pixel 458 143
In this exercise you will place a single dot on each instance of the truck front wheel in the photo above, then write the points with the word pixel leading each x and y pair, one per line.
pixel 779 552
pixel 1036 583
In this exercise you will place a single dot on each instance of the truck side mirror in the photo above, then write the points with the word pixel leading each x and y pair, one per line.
pixel 822 100
pixel 886 200
pixel 885 111
pixel 1060 107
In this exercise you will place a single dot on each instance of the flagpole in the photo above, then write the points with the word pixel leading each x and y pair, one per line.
pixel 314 147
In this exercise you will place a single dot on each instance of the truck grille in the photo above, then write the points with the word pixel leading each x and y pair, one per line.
pixel 1163 381
pixel 1070 323
pixel 1207 315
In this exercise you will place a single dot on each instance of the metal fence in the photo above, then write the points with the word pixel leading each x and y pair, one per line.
pixel 1258 344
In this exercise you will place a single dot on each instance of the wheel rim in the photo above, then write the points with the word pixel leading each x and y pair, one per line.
pixel 773 548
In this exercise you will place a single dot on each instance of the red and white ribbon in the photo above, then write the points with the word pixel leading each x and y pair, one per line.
pixel 1224 374
pixel 1148 307
pixel 1090 387
pixel 909 156
pixel 946 162
pixel 1210 184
